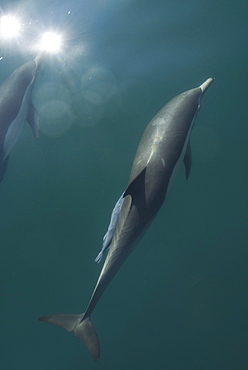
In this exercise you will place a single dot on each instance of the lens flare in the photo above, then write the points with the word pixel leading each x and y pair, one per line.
pixel 9 26
pixel 50 42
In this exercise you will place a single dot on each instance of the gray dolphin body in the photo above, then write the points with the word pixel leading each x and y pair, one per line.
pixel 164 144
pixel 16 107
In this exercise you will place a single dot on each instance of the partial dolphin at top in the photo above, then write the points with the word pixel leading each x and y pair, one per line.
pixel 16 107
pixel 164 145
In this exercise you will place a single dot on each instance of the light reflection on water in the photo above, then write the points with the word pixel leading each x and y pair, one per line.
pixel 81 98
pixel 70 94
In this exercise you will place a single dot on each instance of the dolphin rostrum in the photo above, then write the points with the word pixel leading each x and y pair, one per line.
pixel 164 144
pixel 16 107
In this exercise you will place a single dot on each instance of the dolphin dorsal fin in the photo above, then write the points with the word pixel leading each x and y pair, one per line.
pixel 136 184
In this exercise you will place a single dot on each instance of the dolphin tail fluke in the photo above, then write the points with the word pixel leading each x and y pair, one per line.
pixel 81 328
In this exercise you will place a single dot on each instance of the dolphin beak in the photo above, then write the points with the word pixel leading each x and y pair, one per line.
pixel 206 84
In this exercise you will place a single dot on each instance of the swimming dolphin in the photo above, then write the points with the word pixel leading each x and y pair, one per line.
pixel 164 144
pixel 16 107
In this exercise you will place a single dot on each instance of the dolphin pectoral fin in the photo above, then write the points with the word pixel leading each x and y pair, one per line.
pixel 187 160
pixel 136 184
pixel 33 120
pixel 81 328
pixel 3 168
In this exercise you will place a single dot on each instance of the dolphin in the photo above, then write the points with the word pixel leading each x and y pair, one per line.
pixel 16 107
pixel 163 146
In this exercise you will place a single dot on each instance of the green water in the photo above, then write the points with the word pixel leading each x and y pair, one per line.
pixel 180 301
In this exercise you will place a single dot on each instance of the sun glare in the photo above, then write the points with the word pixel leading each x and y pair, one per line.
pixel 9 26
pixel 51 42
pixel 12 27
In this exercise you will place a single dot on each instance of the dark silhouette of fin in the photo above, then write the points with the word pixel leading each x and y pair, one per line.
pixel 3 168
pixel 136 185
pixel 187 160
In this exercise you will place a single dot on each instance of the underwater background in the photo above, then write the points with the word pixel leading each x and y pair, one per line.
pixel 180 301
